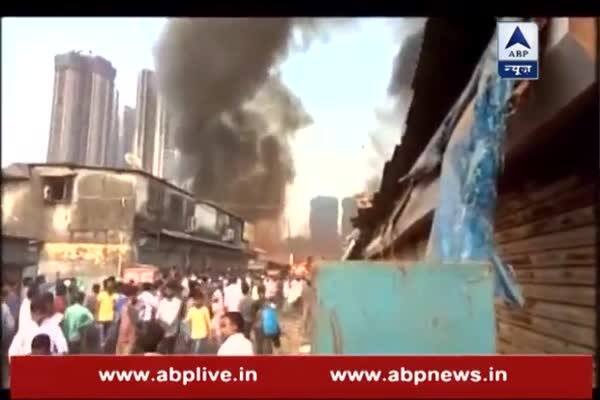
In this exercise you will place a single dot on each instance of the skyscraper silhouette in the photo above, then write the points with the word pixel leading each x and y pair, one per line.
pixel 323 225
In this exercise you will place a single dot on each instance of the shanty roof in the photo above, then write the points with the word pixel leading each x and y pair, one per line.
pixel 16 171
pixel 23 171
pixel 568 86
pixel 450 52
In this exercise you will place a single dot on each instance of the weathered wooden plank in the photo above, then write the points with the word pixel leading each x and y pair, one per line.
pixel 524 338
pixel 579 295
pixel 568 313
pixel 579 237
pixel 579 335
pixel 511 202
pixel 558 276
pixel 558 223
pixel 564 202
pixel 503 347
pixel 581 256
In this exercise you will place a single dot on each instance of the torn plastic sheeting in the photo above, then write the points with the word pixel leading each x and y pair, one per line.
pixel 432 155
pixel 463 225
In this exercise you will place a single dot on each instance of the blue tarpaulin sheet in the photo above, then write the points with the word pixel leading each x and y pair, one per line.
pixel 463 225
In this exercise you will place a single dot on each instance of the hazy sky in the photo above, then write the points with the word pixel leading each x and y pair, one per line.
pixel 339 80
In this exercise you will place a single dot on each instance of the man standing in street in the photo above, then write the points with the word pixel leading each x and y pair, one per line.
pixel 148 304
pixel 235 344
pixel 128 322
pixel 25 309
pixel 233 296
pixel 12 299
pixel 77 318
pixel 91 301
pixel 43 323
pixel 106 310
pixel 8 329
pixel 198 318
pixel 168 313
pixel 246 309
pixel 264 342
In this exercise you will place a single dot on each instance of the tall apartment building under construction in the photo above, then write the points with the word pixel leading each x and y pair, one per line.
pixel 83 109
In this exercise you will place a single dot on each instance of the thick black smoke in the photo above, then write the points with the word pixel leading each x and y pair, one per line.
pixel 405 63
pixel 232 113
pixel 391 119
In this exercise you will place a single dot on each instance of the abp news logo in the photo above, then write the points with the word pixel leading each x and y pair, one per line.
pixel 518 50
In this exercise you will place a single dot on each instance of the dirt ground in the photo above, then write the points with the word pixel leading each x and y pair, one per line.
pixel 292 333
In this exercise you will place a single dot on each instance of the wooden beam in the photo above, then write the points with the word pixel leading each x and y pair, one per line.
pixel 580 256
pixel 559 223
pixel 563 276
pixel 579 335
pixel 580 315
pixel 524 338
pixel 503 347
pixel 569 200
pixel 578 295
pixel 585 236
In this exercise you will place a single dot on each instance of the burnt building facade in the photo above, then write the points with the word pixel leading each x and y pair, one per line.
pixel 94 222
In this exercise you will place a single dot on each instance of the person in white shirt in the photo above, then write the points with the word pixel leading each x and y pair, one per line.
pixel 295 291
pixel 43 323
pixel 168 313
pixel 25 309
pixel 235 344
pixel 218 310
pixel 185 287
pixel 233 296
pixel 148 302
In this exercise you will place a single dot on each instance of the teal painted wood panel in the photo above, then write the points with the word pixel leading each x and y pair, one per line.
pixel 367 307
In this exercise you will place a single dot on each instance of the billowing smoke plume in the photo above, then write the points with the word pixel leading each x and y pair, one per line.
pixel 232 113
pixel 392 117
pixel 405 63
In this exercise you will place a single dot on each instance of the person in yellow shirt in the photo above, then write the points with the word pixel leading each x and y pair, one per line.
pixel 106 302
pixel 198 317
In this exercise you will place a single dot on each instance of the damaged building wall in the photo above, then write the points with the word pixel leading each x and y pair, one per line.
pixel 96 221
pixel 86 219
pixel 20 217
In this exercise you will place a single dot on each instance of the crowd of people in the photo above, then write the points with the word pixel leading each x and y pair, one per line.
pixel 176 314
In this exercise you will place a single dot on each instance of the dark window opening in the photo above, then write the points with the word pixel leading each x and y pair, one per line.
pixel 57 189
pixel 176 208
pixel 155 198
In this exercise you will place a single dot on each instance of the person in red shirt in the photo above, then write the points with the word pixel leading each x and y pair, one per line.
pixel 128 322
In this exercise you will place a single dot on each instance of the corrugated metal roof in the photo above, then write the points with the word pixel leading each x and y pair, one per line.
pixel 457 44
